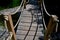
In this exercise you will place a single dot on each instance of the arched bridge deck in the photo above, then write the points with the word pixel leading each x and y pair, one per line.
pixel 30 23
pixel 30 26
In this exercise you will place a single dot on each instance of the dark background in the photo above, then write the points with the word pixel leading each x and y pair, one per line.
pixel 5 3
pixel 53 7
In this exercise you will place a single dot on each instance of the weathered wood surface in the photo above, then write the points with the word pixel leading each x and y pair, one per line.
pixel 25 23
pixel 11 27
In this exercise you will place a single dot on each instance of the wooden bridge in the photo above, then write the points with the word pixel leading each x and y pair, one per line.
pixel 30 23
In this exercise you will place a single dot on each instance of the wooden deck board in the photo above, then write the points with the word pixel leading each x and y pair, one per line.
pixel 24 25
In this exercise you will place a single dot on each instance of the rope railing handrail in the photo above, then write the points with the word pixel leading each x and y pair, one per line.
pixel 45 8
pixel 19 7
pixel 43 17
pixel 55 19
pixel 19 17
pixel 8 20
pixel 14 12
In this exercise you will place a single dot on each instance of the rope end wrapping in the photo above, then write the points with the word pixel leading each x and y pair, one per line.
pixel 55 18
pixel 6 17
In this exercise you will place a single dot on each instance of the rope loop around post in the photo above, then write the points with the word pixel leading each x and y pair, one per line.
pixel 6 17
pixel 51 25
pixel 10 25
pixel 55 18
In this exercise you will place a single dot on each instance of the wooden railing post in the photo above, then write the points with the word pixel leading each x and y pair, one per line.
pixel 50 27
pixel 10 26
pixel 24 4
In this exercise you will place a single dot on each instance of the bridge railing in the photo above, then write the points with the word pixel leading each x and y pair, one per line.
pixel 10 26
pixel 8 20
pixel 51 25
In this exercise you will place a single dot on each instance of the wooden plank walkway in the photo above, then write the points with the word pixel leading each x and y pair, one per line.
pixel 28 25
